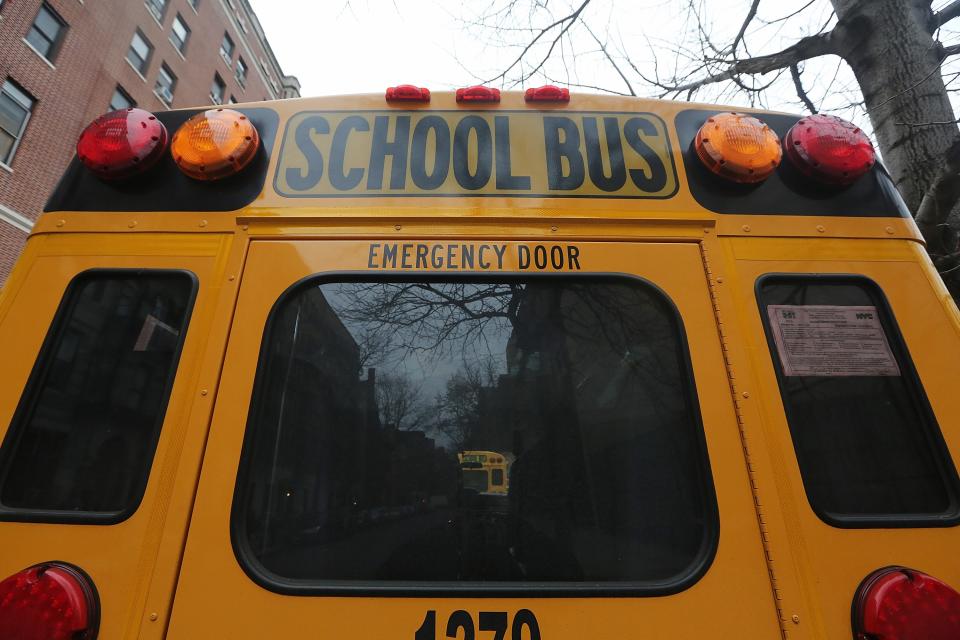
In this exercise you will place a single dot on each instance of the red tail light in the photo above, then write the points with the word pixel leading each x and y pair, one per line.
pixel 547 93
pixel 829 149
pixel 49 601
pixel 122 143
pixel 478 94
pixel 896 603
pixel 407 93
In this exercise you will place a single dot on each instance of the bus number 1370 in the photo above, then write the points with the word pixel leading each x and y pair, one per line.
pixel 495 621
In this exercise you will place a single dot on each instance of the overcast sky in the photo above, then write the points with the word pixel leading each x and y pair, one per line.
pixel 366 46
pixel 363 46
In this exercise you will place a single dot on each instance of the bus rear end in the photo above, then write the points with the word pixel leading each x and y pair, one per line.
pixel 478 366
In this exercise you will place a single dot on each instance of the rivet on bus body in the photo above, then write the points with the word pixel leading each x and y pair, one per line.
pixel 132 224
pixel 554 229
pixel 795 618
pixel 203 223
pixel 746 228
pixel 706 230
pixel 398 227
pixel 245 227
pixel 745 394
pixel 203 392
pixel 60 223
pixel 821 228
pixel 719 280
pixel 231 278
pixel 889 230
pixel 154 617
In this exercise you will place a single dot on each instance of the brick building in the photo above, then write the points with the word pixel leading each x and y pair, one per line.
pixel 64 62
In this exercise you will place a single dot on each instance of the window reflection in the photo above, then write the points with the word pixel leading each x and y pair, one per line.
pixel 475 431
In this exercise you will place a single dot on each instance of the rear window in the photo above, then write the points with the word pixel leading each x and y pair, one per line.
pixel 869 448
pixel 370 394
pixel 83 438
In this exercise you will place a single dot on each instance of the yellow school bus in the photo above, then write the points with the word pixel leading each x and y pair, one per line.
pixel 243 349
pixel 485 472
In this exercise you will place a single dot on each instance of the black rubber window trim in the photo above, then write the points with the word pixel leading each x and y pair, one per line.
pixel 932 431
pixel 38 377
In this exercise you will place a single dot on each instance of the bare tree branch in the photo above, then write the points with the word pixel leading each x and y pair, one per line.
pixel 610 59
pixel 565 23
pixel 810 47
pixel 947 14
pixel 746 23
pixel 801 93
pixel 939 199
pixel 790 15
pixel 952 50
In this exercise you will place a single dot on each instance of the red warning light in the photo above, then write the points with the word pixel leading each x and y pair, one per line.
pixel 122 143
pixel 829 149
pixel 49 601
pixel 904 604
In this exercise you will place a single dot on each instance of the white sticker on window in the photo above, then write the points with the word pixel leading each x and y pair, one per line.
pixel 828 340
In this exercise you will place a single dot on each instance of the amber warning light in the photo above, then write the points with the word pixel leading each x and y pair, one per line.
pixel 738 147
pixel 215 144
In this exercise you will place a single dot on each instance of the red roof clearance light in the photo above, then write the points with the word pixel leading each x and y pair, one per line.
pixel 49 601
pixel 123 143
pixel 829 149
pixel 407 93
pixel 478 94
pixel 547 93
pixel 897 603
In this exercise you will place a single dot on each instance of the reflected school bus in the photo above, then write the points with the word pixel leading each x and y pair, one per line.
pixel 486 472
pixel 702 365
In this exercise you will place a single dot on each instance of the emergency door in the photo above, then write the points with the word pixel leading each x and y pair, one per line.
pixel 462 439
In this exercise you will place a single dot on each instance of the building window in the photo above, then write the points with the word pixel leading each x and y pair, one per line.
pixel 15 107
pixel 241 72
pixel 139 53
pixel 47 32
pixel 166 83
pixel 217 89
pixel 121 100
pixel 194 4
pixel 226 48
pixel 180 33
pixel 157 8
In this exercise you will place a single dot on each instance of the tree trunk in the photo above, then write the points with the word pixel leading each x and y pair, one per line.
pixel 890 47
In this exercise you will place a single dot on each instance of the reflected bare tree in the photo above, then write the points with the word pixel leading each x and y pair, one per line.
pixel 429 317
pixel 400 402
pixel 457 409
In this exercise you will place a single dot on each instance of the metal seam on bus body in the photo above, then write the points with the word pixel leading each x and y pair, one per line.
pixel 751 473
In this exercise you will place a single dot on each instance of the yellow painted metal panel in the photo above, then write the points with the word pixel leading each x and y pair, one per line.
pixel 122 559
pixel 829 562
